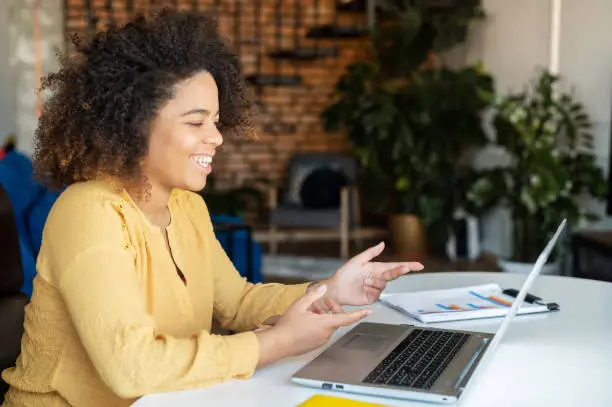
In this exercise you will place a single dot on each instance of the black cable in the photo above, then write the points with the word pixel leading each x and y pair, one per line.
pixel 316 22
pixel 296 33
pixel 278 33
pixel 217 9
pixel 237 31
pixel 258 44
pixel 110 12
pixel 91 22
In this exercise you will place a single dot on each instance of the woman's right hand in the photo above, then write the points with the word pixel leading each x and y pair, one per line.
pixel 300 330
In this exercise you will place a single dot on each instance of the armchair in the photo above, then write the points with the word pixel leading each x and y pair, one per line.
pixel 12 300
pixel 319 201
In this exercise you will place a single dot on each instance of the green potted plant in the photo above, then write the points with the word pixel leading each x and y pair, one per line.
pixel 242 201
pixel 553 170
pixel 411 120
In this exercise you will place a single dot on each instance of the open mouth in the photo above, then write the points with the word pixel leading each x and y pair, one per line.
pixel 203 162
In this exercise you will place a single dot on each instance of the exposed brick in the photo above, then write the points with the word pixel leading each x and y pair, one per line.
pixel 284 108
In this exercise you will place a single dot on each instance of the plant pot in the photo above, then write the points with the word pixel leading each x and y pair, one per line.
pixel 408 237
pixel 525 268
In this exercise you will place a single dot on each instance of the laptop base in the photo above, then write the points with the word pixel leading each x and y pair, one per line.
pixel 371 357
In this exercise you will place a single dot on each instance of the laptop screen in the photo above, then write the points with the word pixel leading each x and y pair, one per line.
pixel 535 271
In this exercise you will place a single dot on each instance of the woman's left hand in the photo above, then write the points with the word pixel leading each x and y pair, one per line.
pixel 360 281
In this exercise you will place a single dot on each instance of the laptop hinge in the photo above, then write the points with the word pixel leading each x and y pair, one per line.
pixel 462 379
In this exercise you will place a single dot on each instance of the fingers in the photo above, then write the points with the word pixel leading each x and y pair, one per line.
pixel 308 300
pixel 333 306
pixel 368 254
pixel 408 266
pixel 344 319
pixel 316 308
pixel 388 265
pixel 323 306
pixel 375 282
pixel 390 274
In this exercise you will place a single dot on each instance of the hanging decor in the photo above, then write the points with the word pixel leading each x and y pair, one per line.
pixel 38 71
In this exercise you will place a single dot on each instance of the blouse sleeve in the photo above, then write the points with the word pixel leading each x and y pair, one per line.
pixel 94 269
pixel 240 305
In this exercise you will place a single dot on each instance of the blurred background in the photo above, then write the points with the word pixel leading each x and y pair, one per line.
pixel 460 132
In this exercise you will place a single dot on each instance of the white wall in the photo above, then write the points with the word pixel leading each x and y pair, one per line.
pixel 586 63
pixel 512 43
pixel 7 92
pixel 17 50
pixel 515 40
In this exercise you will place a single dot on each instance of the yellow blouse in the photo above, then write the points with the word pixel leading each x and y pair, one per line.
pixel 110 319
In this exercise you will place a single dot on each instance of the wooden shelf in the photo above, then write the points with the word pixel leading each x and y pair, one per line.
pixel 304 53
pixel 329 31
pixel 274 80
pixel 263 235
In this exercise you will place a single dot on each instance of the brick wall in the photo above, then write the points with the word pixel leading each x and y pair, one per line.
pixel 288 120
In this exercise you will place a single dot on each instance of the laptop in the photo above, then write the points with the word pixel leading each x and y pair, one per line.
pixel 411 362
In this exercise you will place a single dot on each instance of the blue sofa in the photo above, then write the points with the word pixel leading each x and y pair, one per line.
pixel 31 203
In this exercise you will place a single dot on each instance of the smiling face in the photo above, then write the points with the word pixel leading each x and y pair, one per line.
pixel 184 137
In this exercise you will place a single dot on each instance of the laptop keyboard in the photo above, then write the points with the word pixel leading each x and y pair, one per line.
pixel 419 359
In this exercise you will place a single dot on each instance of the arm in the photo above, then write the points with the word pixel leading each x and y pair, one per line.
pixel 238 304
pixel 93 268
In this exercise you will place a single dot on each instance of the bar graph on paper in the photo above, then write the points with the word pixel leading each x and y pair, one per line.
pixel 482 301
pixel 468 300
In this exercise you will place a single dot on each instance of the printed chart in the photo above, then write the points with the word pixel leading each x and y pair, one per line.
pixel 457 303
pixel 480 301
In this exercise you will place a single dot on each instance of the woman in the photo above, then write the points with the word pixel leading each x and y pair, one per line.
pixel 130 274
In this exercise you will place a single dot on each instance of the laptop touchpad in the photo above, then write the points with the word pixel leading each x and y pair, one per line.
pixel 364 342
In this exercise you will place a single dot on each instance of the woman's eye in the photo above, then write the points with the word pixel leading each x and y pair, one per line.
pixel 199 124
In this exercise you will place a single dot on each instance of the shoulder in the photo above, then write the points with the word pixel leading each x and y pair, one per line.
pixel 86 199
pixel 85 213
pixel 87 216
pixel 91 190
pixel 191 203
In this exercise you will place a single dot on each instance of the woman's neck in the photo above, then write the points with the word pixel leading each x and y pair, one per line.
pixel 154 205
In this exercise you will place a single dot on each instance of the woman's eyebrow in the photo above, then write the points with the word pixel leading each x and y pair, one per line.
pixel 203 112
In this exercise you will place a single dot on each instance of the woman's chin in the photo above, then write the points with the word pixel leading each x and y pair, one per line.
pixel 196 185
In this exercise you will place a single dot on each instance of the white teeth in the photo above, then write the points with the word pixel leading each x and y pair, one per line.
pixel 203 160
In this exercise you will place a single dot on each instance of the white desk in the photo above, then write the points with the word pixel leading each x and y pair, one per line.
pixel 556 359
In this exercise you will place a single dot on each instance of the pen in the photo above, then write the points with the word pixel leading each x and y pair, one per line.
pixel 528 298
pixel 553 306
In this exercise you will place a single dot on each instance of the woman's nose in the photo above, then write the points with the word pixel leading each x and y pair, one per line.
pixel 215 137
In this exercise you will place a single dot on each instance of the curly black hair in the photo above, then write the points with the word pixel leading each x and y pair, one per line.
pixel 106 94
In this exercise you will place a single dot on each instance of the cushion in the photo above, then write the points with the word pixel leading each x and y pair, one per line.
pixel 321 188
pixel 238 244
pixel 298 173
pixel 297 216
pixel 297 176
pixel 12 310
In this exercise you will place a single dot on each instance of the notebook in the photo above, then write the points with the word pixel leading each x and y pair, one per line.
pixel 320 400
pixel 482 301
